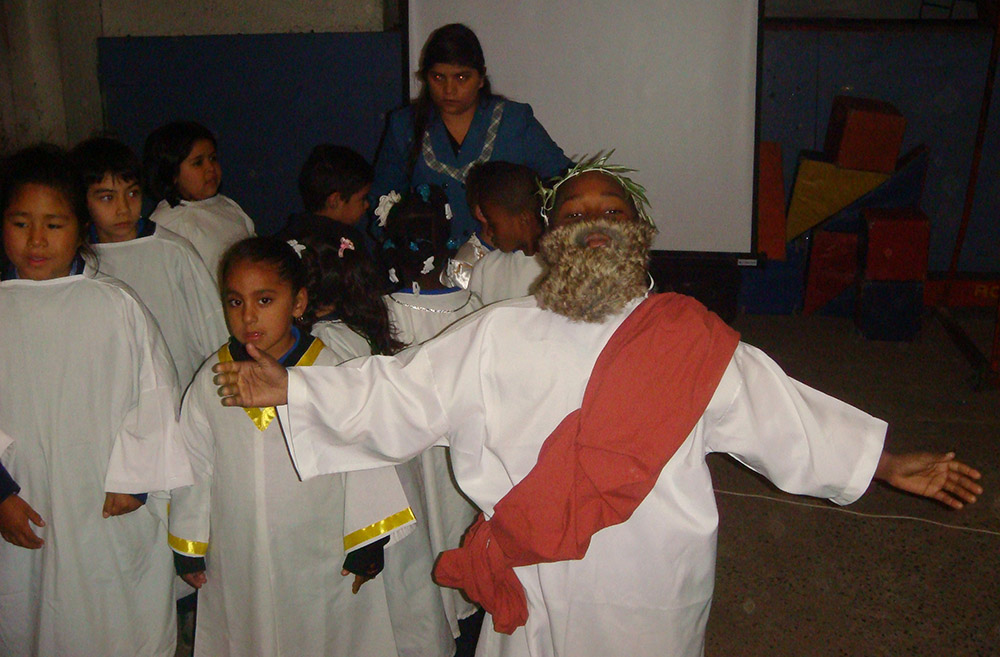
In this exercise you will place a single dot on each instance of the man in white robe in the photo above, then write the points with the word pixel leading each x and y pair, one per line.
pixel 498 383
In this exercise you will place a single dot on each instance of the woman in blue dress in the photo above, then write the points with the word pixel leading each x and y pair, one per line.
pixel 456 122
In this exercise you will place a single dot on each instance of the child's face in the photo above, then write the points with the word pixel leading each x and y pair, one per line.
pixel 115 205
pixel 454 89
pixel 509 232
pixel 592 195
pixel 351 210
pixel 260 306
pixel 41 233
pixel 200 174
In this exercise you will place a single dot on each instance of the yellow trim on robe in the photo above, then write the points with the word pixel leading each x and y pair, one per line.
pixel 384 526
pixel 190 548
pixel 261 417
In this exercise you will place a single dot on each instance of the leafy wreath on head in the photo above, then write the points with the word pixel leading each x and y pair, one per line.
pixel 598 162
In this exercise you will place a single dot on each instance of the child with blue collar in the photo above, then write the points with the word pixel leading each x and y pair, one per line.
pixel 272 555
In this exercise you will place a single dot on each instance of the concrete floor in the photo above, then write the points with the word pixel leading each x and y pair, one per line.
pixel 892 574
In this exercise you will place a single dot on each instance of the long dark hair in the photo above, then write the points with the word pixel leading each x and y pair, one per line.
pixel 166 147
pixel 449 44
pixel 343 275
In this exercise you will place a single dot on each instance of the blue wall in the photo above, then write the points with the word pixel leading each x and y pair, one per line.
pixel 269 99
pixel 935 78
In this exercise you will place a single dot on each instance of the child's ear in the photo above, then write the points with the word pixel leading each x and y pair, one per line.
pixel 478 214
pixel 334 201
pixel 301 302
pixel 487 232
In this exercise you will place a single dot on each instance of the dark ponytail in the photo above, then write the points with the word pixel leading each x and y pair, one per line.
pixel 342 275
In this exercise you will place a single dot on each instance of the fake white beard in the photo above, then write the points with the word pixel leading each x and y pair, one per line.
pixel 587 283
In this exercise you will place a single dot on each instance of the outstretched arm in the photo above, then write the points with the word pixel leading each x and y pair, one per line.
pixel 255 383
pixel 938 476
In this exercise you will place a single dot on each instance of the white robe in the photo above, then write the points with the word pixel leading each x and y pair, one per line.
pixel 89 400
pixel 274 545
pixel 416 318
pixel 168 275
pixel 212 226
pixel 416 607
pixel 502 380
pixel 340 339
pixel 499 276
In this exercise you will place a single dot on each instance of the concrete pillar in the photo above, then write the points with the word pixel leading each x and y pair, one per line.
pixel 32 74
pixel 79 29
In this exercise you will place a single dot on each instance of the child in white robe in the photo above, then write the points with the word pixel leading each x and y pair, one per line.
pixel 182 173
pixel 504 198
pixel 159 265
pixel 345 295
pixel 265 549
pixel 88 403
pixel 416 247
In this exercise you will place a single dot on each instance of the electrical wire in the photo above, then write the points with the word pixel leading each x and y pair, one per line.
pixel 874 516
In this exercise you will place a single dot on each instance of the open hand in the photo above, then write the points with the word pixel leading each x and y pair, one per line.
pixel 118 504
pixel 14 516
pixel 938 476
pixel 255 383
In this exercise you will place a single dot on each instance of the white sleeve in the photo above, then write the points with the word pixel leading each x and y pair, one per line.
pixel 147 454
pixel 190 506
pixel 375 506
pixel 803 440
pixel 5 442
pixel 366 413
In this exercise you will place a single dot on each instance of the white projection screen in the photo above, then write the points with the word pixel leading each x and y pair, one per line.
pixel 669 84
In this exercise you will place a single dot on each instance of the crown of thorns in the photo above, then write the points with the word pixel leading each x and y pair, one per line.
pixel 598 162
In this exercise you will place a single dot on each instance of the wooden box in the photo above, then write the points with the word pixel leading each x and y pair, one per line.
pixel 864 134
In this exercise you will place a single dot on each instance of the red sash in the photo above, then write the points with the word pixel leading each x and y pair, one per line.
pixel 650 385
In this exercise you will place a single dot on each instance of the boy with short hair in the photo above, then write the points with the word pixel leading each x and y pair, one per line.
pixel 334 184
pixel 162 267
pixel 504 198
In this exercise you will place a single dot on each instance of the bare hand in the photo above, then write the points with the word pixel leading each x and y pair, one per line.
pixel 14 516
pixel 255 383
pixel 118 504
pixel 195 580
pixel 359 580
pixel 938 476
